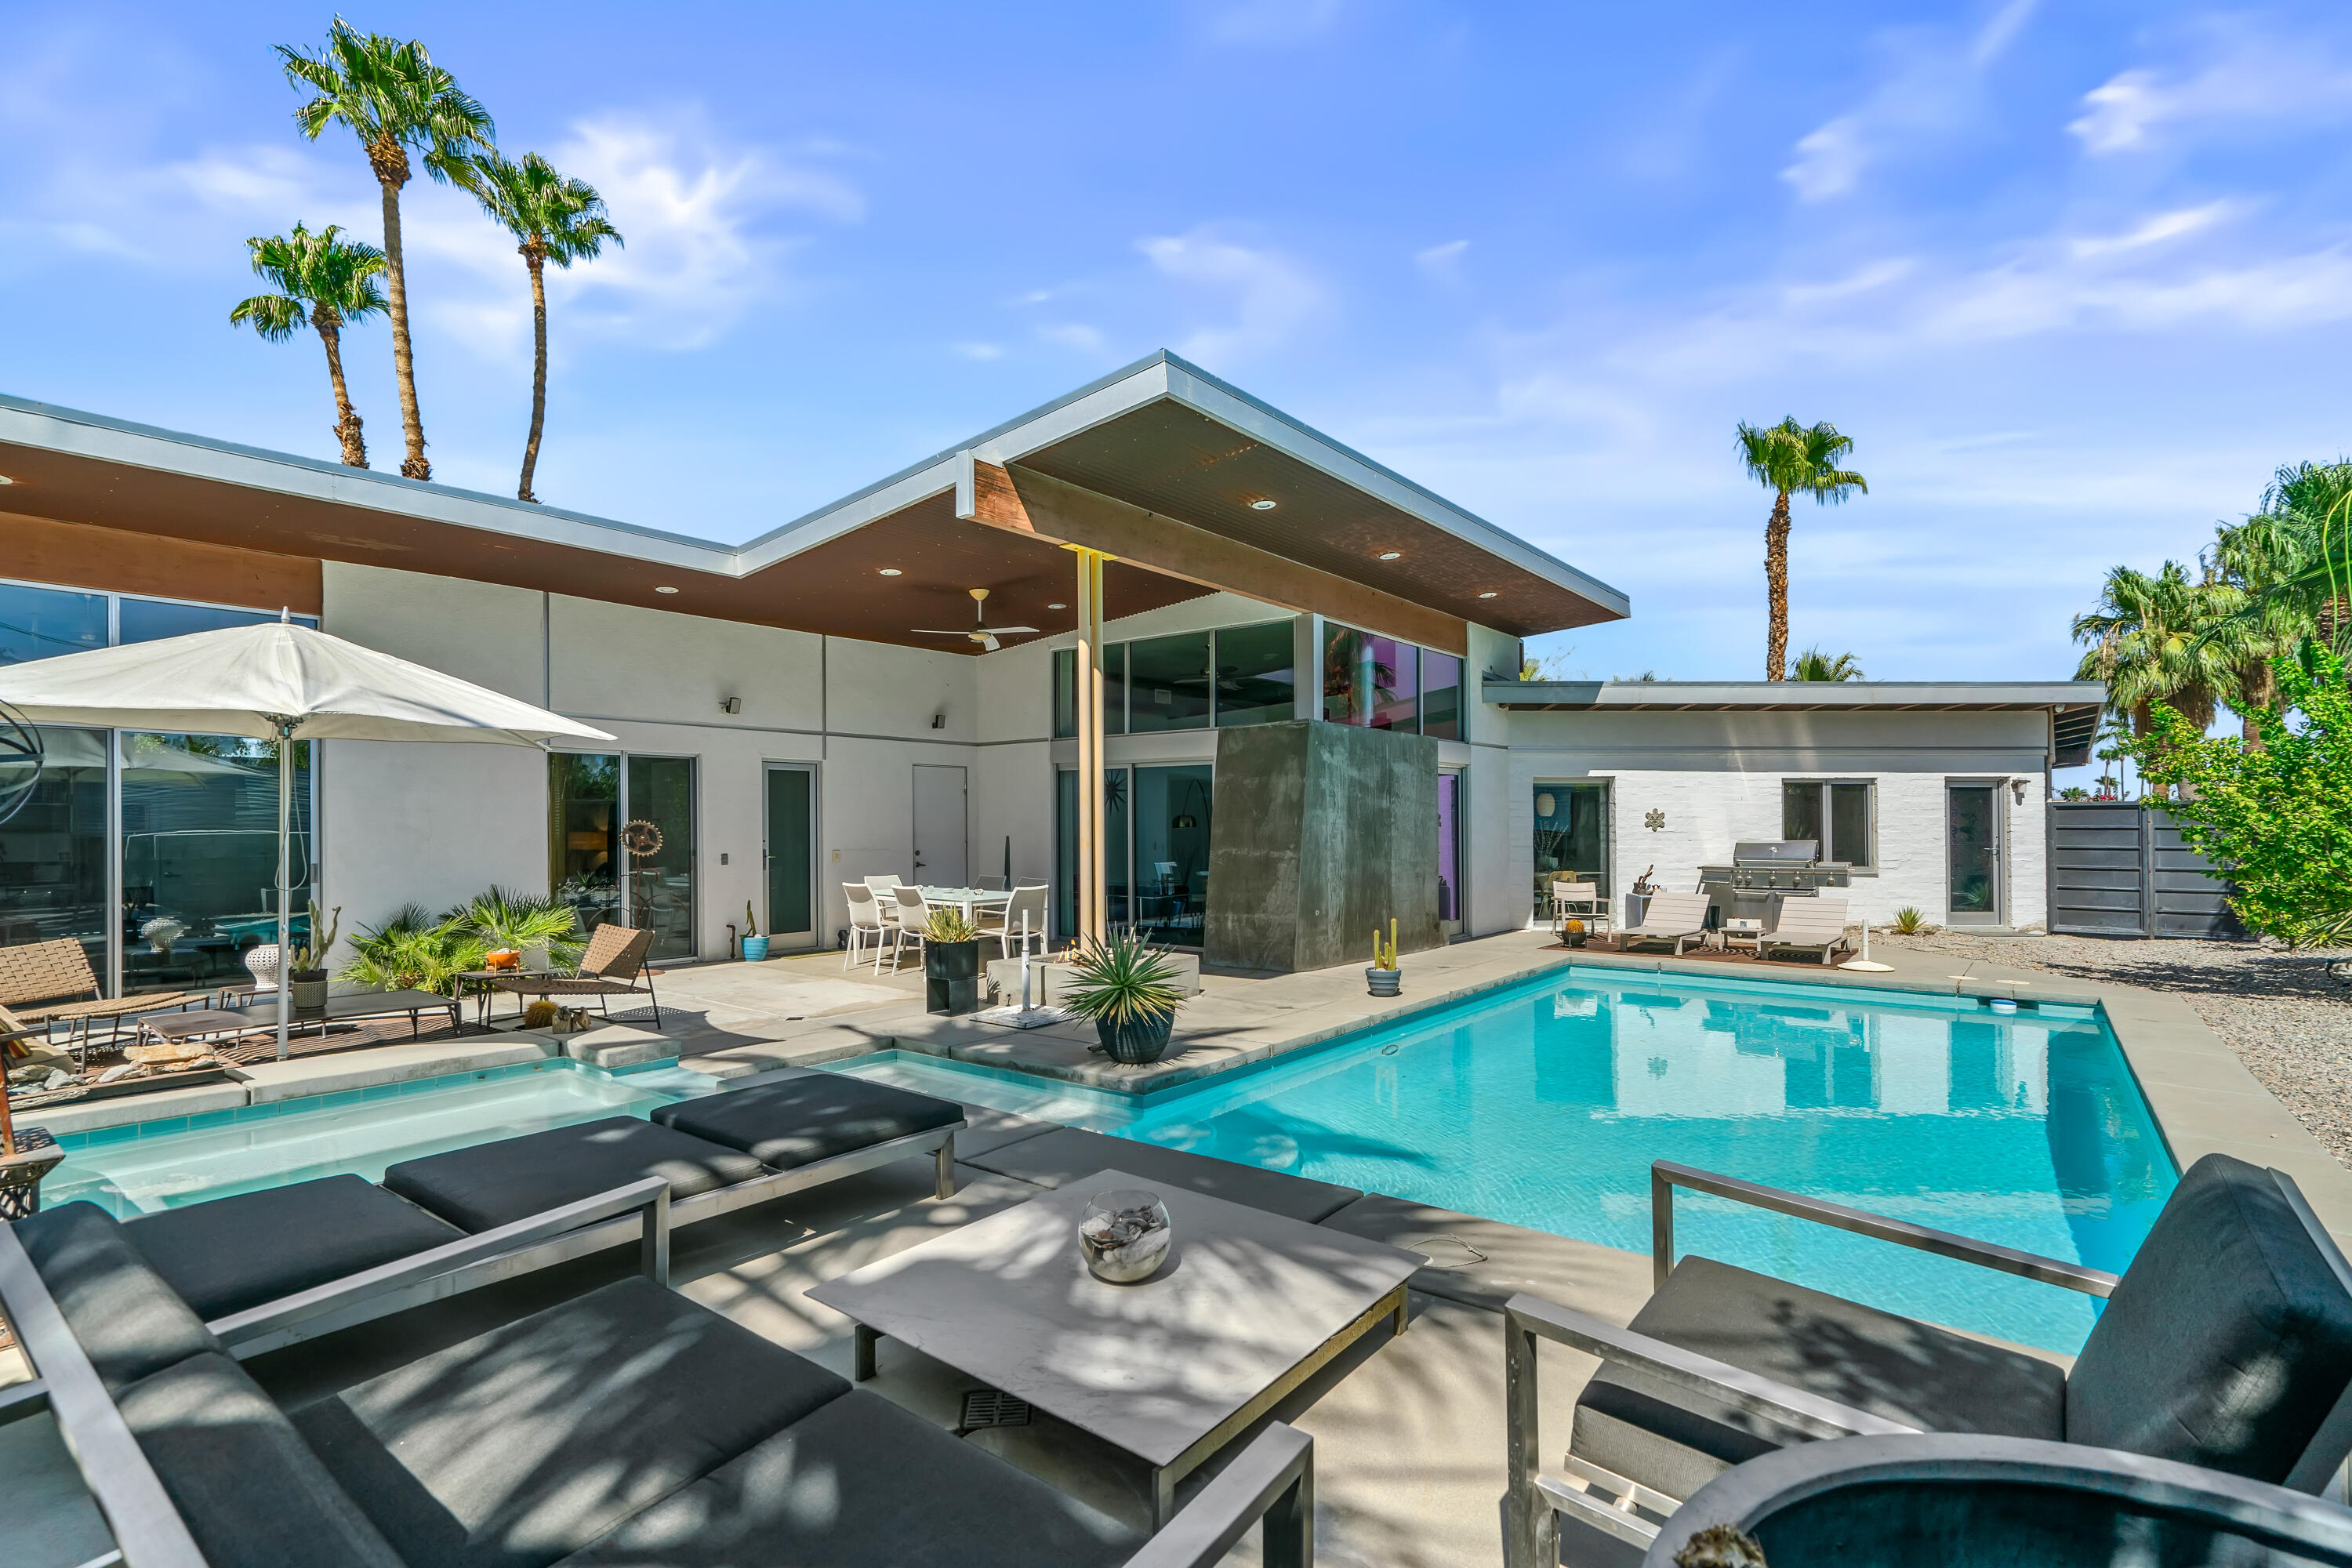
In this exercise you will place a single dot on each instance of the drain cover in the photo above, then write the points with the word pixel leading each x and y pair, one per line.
pixel 987 1407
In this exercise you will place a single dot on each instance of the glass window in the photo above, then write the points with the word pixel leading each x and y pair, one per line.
pixel 1370 680
pixel 145 620
pixel 200 857
pixel 1066 691
pixel 1441 695
pixel 584 810
pixel 53 850
pixel 1449 847
pixel 1835 816
pixel 36 623
pixel 1572 839
pixel 658 841
pixel 1065 844
pixel 1169 681
pixel 1171 853
pixel 1256 683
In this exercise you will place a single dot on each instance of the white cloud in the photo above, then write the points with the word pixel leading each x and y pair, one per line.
pixel 976 350
pixel 1931 90
pixel 1271 21
pixel 1269 295
pixel 2238 78
pixel 1443 262
pixel 2156 230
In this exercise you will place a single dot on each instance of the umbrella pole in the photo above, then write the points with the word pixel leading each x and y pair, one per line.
pixel 284 886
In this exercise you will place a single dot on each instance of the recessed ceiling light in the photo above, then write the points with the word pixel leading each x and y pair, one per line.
pixel 1391 554
pixel 1488 595
pixel 1057 607
pixel 665 588
pixel 1260 504
pixel 5 479
pixel 889 572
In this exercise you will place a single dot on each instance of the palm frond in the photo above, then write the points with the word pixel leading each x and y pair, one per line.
pixel 275 317
pixel 1799 459
pixel 562 217
pixel 384 87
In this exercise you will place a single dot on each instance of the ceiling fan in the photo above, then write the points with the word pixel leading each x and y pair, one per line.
pixel 983 633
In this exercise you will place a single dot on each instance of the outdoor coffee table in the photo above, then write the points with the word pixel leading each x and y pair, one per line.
pixel 1248 1307
pixel 261 1018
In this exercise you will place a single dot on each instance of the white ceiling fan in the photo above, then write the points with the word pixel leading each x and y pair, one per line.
pixel 984 634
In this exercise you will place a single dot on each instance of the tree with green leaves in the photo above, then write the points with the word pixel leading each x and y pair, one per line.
pixel 328 281
pixel 391 97
pixel 1814 665
pixel 2277 818
pixel 552 218
pixel 1790 459
pixel 2148 643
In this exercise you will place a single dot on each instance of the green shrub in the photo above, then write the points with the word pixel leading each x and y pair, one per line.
pixel 411 949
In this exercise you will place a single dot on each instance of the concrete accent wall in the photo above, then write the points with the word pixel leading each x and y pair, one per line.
pixel 1322 833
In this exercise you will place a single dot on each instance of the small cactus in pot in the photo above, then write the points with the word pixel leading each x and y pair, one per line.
pixel 1384 977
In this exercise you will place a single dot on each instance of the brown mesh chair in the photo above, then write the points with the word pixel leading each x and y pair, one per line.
pixel 613 964
pixel 47 982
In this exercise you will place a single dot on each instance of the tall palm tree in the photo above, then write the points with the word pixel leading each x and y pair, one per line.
pixel 1814 665
pixel 2293 558
pixel 553 219
pixel 393 99
pixel 2148 645
pixel 1790 459
pixel 335 279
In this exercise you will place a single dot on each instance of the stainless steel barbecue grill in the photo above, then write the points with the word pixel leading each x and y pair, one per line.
pixel 1762 872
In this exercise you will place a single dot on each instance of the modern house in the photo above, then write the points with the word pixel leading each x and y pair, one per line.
pixel 838 698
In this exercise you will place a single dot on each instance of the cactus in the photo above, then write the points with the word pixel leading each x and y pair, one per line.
pixel 1384 955
pixel 750 921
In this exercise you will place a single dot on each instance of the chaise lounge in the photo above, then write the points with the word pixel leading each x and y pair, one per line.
pixel 1677 918
pixel 627 1427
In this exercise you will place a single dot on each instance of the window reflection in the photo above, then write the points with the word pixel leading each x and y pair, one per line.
pixel 41 623
pixel 659 840
pixel 1169 677
pixel 584 799
pixel 200 857
pixel 1256 681
pixel 53 850
pixel 1171 853
pixel 1370 680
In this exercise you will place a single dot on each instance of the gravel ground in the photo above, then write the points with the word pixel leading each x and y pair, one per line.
pixel 2288 1022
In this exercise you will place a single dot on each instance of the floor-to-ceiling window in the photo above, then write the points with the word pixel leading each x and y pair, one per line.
pixel 1171 852
pixel 1380 683
pixel 184 826
pixel 1572 839
pixel 621 843
pixel 1191 680
pixel 1449 913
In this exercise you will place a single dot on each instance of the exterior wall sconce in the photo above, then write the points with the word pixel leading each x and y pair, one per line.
pixel 2017 790
pixel 730 705
pixel 939 721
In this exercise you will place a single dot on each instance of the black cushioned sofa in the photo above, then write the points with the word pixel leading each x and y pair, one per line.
pixel 627 1427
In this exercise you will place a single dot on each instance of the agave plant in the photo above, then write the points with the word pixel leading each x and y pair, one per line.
pixel 1909 921
pixel 1123 981
pixel 949 923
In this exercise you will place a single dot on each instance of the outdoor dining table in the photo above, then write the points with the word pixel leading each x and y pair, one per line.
pixel 965 899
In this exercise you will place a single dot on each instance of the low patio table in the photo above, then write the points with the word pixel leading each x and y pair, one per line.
pixel 263 1016
pixel 1248 1306
pixel 484 979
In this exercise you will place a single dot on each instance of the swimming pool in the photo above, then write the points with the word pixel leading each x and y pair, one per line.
pixel 1544 1104
pixel 161 1164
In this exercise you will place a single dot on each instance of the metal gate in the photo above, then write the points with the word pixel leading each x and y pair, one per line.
pixel 2121 869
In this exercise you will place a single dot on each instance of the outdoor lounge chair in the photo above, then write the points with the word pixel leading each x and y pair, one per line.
pixel 613 964
pixel 1808 924
pixel 2226 1344
pixel 1677 918
pixel 1963 1502
pixel 627 1426
pixel 52 983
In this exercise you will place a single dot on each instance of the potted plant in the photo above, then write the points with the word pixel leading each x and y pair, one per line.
pixel 1131 991
pixel 950 963
pixel 755 946
pixel 306 977
pixel 1384 977
pixel 1573 932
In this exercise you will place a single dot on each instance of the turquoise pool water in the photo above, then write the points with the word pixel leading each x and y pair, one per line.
pixel 1545 1105
pixel 161 1164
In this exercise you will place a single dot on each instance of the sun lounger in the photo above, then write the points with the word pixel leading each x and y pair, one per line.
pixel 1677 918
pixel 2227 1344
pixel 625 1427
pixel 1814 924
pixel 41 979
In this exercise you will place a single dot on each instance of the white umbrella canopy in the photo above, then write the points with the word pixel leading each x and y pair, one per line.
pixel 275 681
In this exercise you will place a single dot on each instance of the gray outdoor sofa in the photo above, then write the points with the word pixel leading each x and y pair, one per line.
pixel 2226 1345
pixel 760 1137
pixel 627 1427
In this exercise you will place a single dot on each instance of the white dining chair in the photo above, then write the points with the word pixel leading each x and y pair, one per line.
pixel 1029 900
pixel 914 914
pixel 866 924
pixel 883 887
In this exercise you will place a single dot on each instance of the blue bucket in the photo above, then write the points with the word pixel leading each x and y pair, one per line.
pixel 755 949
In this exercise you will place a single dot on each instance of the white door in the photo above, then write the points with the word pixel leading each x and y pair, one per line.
pixel 942 849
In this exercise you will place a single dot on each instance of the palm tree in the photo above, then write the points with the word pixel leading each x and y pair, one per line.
pixel 2148 644
pixel 1814 665
pixel 554 219
pixel 333 277
pixel 1789 459
pixel 393 99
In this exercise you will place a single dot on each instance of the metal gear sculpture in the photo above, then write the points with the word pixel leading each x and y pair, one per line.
pixel 21 756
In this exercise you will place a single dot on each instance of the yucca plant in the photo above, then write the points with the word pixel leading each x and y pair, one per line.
pixel 949 923
pixel 1909 921
pixel 1122 981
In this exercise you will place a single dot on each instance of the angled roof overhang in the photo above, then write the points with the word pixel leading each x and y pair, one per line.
pixel 2074 705
pixel 1161 459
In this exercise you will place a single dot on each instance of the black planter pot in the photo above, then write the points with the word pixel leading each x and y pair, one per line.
pixel 1135 1044
pixel 952 977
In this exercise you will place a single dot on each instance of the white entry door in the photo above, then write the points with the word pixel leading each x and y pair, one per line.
pixel 942 849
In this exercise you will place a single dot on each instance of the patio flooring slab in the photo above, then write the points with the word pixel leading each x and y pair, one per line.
pixel 1071 1153
pixel 1484 1262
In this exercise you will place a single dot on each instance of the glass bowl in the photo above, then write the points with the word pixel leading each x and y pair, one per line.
pixel 1124 1234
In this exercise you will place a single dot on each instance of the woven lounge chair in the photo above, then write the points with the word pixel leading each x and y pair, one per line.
pixel 1814 924
pixel 1677 918
pixel 2227 1344
pixel 51 983
pixel 613 964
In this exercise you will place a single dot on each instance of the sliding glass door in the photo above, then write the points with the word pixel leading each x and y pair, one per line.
pixel 200 857
pixel 53 854
pixel 621 843
pixel 1155 851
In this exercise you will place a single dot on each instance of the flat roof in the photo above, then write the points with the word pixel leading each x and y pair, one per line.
pixel 1161 435
pixel 2074 705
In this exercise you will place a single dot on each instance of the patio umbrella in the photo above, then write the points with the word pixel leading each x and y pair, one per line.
pixel 275 681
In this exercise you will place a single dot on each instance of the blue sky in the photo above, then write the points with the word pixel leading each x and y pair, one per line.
pixel 2075 278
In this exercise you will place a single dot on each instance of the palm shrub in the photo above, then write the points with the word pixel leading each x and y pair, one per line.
pixel 501 917
pixel 411 951
pixel 1814 665
pixel 1123 981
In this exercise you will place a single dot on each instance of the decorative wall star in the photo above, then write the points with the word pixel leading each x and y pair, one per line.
pixel 1655 821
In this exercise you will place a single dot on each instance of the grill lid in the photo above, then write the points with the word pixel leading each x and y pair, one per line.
pixel 1775 851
